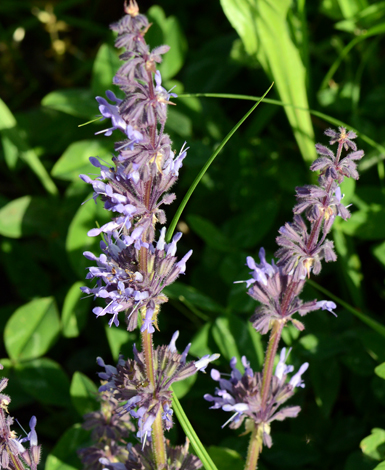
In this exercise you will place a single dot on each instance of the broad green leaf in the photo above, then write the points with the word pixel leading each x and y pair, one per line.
pixel 351 7
pixel 196 444
pixel 11 152
pixel 75 160
pixel 227 333
pixel 263 28
pixel 380 466
pixel 365 224
pixel 32 329
pixel 15 140
pixel 179 123
pixel 64 454
pixel 200 343
pixel 77 242
pixel 183 292
pixel 358 461
pixel 209 233
pixel 374 445
pixel 379 253
pixel 45 380
pixel 104 69
pixel 182 388
pixel 83 394
pixel 380 370
pixel 226 459
pixel 120 341
pixel 78 102
pixel 27 216
pixel 75 311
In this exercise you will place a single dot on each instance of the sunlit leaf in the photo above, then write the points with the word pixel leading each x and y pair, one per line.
pixel 32 329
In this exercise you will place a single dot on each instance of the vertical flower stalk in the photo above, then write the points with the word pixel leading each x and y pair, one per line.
pixel 256 398
pixel 134 267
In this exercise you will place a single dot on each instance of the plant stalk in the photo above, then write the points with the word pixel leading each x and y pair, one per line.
pixel 255 448
pixel 272 347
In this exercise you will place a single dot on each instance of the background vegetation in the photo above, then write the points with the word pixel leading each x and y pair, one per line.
pixel 325 55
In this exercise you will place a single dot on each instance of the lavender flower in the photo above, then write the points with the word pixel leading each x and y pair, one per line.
pixel 269 285
pixel 241 395
pixel 109 430
pixel 13 455
pixel 143 400
pixel 133 269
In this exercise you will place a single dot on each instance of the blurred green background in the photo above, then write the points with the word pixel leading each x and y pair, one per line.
pixel 327 56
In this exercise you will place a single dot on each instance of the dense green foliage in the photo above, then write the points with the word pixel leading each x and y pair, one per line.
pixel 55 58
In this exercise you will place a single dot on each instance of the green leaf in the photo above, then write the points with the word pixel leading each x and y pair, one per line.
pixel 264 31
pixel 226 459
pixel 191 295
pixel 365 224
pixel 374 445
pixel 15 141
pixel 198 447
pixel 179 123
pixel 379 253
pixel 380 466
pixel 79 102
pixel 75 311
pixel 32 329
pixel 200 343
pixel 64 455
pixel 120 341
pixel 75 160
pixel 104 69
pixel 380 370
pixel 209 233
pixel 206 166
pixel 77 239
pixel 227 333
pixel 83 394
pixel 26 216
pixel 44 380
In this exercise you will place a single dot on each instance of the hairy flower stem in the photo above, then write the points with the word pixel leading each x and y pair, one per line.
pixel 272 347
pixel 255 448
pixel 158 442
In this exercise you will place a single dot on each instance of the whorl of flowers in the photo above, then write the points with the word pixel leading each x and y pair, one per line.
pixel 143 400
pixel 241 395
pixel 13 455
pixel 141 458
pixel 133 270
pixel 109 433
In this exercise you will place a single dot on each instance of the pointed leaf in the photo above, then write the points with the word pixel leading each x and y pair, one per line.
pixel 83 394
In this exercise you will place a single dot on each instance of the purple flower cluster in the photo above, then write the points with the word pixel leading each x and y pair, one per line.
pixel 127 287
pixel 13 455
pixel 142 399
pixel 302 249
pixel 241 395
pixel 133 269
pixel 270 286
